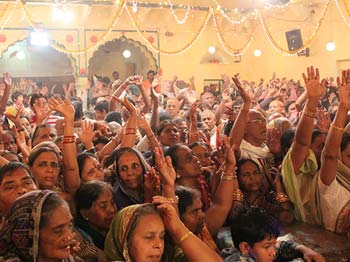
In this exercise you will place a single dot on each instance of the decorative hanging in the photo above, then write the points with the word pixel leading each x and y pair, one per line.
pixel 164 52
pixel 287 52
pixel 229 50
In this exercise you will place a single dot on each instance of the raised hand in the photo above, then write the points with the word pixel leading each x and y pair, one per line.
pixel 323 120
pixel 7 79
pixel 152 182
pixel 87 134
pixel 230 159
pixel 142 122
pixel 344 88
pixel 154 95
pixel 41 110
pixel 125 102
pixel 65 108
pixel 193 112
pixel 168 213
pixel 245 96
pixel 165 167
pixel 312 81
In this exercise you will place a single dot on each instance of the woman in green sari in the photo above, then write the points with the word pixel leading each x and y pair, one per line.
pixel 138 233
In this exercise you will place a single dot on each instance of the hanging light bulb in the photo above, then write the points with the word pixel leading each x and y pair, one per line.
pixel 126 53
pixel 257 52
pixel 330 46
pixel 212 49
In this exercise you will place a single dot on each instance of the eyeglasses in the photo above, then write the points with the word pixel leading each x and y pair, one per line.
pixel 258 121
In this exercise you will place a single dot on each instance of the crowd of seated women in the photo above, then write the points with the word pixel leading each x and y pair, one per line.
pixel 143 176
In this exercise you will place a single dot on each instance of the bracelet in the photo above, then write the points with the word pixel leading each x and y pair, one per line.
pixel 228 177
pixel 185 236
pixel 173 200
pixel 341 129
pixel 281 198
pixel 309 112
pixel 237 195
pixel 68 140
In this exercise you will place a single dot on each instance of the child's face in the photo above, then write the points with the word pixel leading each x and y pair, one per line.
pixel 264 251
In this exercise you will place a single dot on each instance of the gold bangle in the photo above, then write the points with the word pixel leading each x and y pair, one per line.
pixel 173 200
pixel 309 112
pixel 337 127
pixel 185 236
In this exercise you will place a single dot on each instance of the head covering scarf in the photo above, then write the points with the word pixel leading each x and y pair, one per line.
pixel 19 238
pixel 135 196
pixel 116 243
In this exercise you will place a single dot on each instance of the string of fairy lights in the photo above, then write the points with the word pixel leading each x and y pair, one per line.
pixel 254 17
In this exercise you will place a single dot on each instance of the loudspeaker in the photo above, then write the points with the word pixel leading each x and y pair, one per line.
pixel 294 39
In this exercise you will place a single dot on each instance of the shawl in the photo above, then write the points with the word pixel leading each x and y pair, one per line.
pixel 263 157
pixel 128 195
pixel 299 185
pixel 20 234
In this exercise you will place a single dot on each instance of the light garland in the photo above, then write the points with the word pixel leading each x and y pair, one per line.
pixel 347 7
pixel 161 51
pixel 229 50
pixel 347 22
pixel 9 16
pixel 57 47
pixel 4 10
pixel 229 19
pixel 287 52
pixel 184 19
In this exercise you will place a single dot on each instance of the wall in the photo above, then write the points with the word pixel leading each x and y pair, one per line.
pixel 188 64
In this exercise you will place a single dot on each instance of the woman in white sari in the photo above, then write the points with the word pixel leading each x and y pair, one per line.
pixel 333 182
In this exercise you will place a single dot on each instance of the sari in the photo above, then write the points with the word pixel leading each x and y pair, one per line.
pixel 116 243
pixel 19 238
pixel 300 186
pixel 342 223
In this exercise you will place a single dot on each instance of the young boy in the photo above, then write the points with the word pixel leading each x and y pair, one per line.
pixel 254 234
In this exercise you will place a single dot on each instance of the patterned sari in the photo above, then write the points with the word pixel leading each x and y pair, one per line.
pixel 19 238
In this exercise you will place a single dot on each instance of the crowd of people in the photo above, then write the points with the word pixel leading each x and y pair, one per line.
pixel 123 171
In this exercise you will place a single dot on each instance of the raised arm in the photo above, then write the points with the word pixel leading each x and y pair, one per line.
pixel 194 248
pixel 138 81
pixel 71 177
pixel 144 126
pixel 302 140
pixel 237 131
pixel 5 97
pixel 130 126
pixel 113 105
pixel 331 149
pixel 154 122
pixel 217 213
pixel 193 129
